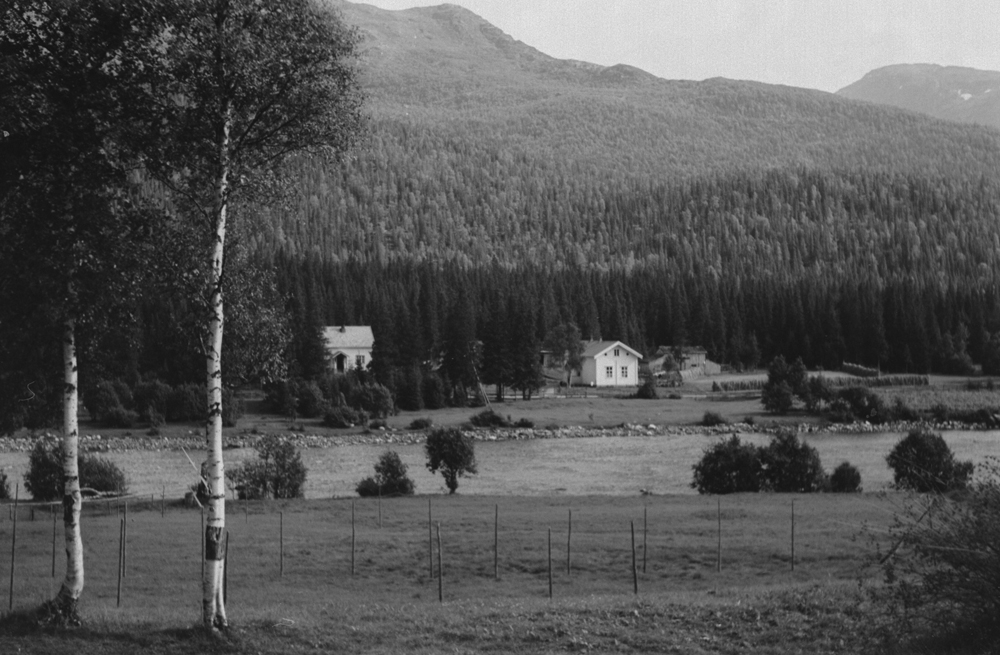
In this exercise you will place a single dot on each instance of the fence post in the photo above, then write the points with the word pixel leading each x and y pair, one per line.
pixel 430 542
pixel 793 534
pixel 496 542
pixel 635 573
pixel 718 552
pixel 440 567
pixel 281 542
pixel 353 538
pixel 121 558
pixel 644 530
pixel 53 541
pixel 125 541
pixel 569 542
pixel 550 563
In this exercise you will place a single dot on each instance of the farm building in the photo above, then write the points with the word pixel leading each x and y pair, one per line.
pixel 608 364
pixel 348 346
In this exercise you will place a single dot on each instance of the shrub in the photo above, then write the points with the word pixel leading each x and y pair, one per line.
pixel 344 417
pixel 865 404
pixel 845 479
pixel 410 389
pixel 727 467
pixel 4 486
pixel 311 402
pixel 923 462
pixel 791 465
pixel 451 452
pixel 232 408
pixel 151 399
pixel 44 477
pixel 375 399
pixel 777 398
pixel 711 419
pixel 434 391
pixel 119 417
pixel 187 402
pixel 488 418
pixel 647 391
pixel 390 478
pixel 420 424
pixel 101 400
pixel 277 471
pixel 526 423
pixel 942 576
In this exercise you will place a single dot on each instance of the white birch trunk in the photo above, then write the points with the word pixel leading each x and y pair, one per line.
pixel 213 603
pixel 69 594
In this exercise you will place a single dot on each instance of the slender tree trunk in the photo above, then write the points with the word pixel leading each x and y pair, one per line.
pixel 69 594
pixel 213 603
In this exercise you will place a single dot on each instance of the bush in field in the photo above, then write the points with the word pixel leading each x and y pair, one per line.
pixel 420 424
pixel 4 486
pixel 276 472
pixel 526 423
pixel 101 399
pixel 311 402
pixel 390 478
pixel 488 418
pixel 44 477
pixel 777 398
pixel 791 465
pixel 452 453
pixel 186 402
pixel 845 479
pixel 375 399
pixel 923 462
pixel 344 417
pixel 711 419
pixel 865 404
pixel 119 417
pixel 727 467
pixel 942 574
pixel 151 400
pixel 647 391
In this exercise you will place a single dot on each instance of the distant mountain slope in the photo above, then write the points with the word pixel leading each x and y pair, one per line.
pixel 952 93
pixel 444 68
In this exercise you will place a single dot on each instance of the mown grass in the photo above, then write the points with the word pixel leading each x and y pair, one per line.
pixel 755 604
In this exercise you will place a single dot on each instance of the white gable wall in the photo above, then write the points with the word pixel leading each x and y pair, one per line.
pixel 608 370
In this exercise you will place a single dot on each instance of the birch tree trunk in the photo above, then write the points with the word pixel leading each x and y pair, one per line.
pixel 213 604
pixel 67 599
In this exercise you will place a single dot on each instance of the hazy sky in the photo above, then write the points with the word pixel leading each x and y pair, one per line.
pixel 822 44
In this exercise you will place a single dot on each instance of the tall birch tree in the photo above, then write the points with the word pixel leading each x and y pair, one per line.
pixel 251 84
pixel 71 225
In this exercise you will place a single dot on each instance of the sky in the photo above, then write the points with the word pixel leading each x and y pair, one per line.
pixel 819 44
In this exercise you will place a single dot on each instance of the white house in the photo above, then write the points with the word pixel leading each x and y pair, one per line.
pixel 348 346
pixel 608 364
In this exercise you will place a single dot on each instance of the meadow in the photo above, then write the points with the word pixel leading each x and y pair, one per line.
pixel 291 587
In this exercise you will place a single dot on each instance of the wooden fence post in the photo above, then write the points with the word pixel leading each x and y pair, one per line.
pixel 353 538
pixel 13 542
pixel 635 573
pixel 281 542
pixel 793 534
pixel 496 542
pixel 53 541
pixel 121 558
pixel 644 531
pixel 569 542
pixel 550 563
pixel 440 567
pixel 125 542
pixel 430 542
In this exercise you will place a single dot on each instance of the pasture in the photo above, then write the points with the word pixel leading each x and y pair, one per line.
pixel 300 595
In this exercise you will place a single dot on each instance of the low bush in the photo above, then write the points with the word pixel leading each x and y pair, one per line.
pixel 119 417
pixel 344 417
pixel 375 399
pixel 311 402
pixel 44 477
pixel 923 462
pixel 791 465
pixel 711 419
pixel 525 423
pixel 276 472
pixel 187 402
pixel 4 486
pixel 845 479
pixel 729 466
pixel 151 399
pixel 647 391
pixel 390 478
pixel 942 576
pixel 101 399
pixel 420 423
pixel 232 408
pixel 489 418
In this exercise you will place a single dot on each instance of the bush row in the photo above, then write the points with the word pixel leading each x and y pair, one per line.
pixel 881 381
pixel 113 403
pixel 341 399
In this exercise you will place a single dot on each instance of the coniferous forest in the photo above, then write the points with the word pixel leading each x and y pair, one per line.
pixel 499 193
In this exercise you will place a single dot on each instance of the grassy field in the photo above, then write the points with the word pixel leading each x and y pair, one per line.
pixel 756 603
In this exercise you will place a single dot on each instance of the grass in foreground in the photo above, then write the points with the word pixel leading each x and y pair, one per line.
pixel 756 604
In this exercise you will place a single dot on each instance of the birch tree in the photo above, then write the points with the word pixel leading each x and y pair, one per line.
pixel 251 84
pixel 71 228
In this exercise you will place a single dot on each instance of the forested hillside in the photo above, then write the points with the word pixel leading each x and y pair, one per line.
pixel 752 219
pixel 953 93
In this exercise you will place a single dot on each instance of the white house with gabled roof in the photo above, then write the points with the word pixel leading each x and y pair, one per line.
pixel 608 364
pixel 348 346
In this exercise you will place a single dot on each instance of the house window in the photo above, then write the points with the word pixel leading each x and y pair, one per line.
pixel 360 360
pixel 609 372
pixel 617 351
pixel 624 371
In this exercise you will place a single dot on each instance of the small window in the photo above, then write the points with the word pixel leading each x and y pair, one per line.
pixel 609 372
pixel 360 361
pixel 617 352
pixel 624 371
